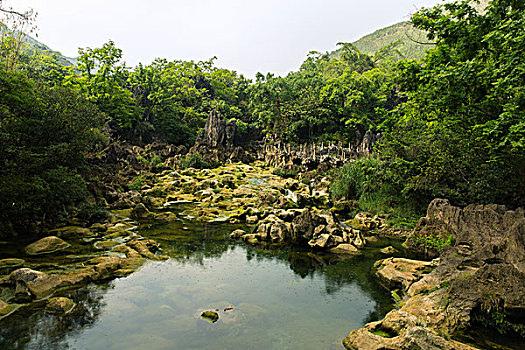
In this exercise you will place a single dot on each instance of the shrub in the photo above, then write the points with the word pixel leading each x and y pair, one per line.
pixel 432 242
pixel 285 173
pixel 195 161
pixel 137 184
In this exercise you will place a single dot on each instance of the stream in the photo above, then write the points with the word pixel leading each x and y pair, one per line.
pixel 267 298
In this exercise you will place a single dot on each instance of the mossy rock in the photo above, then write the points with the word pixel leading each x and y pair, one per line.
pixel 60 305
pixel 46 245
pixel 7 309
pixel 8 265
pixel 74 231
pixel 105 245
pixel 210 316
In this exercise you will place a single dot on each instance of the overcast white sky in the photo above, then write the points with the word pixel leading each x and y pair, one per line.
pixel 246 35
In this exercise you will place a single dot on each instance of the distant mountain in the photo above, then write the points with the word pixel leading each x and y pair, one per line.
pixel 409 41
pixel 33 45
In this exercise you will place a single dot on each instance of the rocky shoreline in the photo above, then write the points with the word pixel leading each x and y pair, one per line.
pixel 480 278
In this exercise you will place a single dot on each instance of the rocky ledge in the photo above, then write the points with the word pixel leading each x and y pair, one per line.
pixel 480 278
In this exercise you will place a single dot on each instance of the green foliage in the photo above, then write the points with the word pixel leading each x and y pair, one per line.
pixel 327 99
pixel 406 39
pixel 356 178
pixel 492 314
pixel 103 80
pixel 157 162
pixel 93 213
pixel 461 134
pixel 285 173
pixel 137 184
pixel 45 135
pixel 195 161
pixel 176 97
pixel 369 181
pixel 431 241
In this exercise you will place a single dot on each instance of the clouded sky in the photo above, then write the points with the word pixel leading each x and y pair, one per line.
pixel 245 35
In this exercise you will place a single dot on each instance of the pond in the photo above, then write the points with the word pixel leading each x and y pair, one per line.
pixel 267 298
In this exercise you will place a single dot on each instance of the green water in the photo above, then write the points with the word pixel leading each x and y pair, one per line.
pixel 281 299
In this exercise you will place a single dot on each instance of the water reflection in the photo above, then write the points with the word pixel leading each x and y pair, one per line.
pixel 33 328
pixel 282 298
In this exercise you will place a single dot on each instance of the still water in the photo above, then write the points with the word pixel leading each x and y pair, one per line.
pixel 281 299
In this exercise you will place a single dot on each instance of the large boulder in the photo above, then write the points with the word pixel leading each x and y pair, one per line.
pixel 46 245
pixel 22 278
pixel 399 330
pixel 303 226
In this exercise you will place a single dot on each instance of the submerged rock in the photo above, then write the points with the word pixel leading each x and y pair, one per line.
pixel 46 245
pixel 60 306
pixel 237 234
pixel 389 250
pixel 6 309
pixel 344 249
pixel 210 316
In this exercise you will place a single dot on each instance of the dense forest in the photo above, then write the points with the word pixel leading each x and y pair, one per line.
pixel 452 123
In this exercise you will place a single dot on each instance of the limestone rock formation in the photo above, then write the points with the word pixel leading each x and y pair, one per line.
pixel 217 132
pixel 480 277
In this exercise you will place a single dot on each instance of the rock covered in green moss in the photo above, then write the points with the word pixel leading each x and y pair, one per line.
pixel 46 245
pixel 210 316
pixel 60 306
pixel 8 265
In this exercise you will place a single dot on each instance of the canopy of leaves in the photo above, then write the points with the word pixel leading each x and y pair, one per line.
pixel 461 134
pixel 45 134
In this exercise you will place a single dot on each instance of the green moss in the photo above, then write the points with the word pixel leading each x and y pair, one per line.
pixel 137 184
pixel 384 332
pixel 210 316
pixel 285 173
pixel 431 241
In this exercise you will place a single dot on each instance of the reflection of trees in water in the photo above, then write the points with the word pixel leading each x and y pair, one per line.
pixel 36 329
pixel 194 242
pixel 337 271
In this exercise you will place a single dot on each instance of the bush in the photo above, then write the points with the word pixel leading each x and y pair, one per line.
pixel 370 182
pixel 357 178
pixel 430 242
pixel 285 173
pixel 45 133
pixel 137 184
pixel 195 161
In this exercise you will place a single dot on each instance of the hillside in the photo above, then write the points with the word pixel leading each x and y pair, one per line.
pixel 33 45
pixel 408 37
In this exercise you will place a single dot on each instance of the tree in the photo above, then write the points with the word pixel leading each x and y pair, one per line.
pixel 45 135
pixel 13 28
pixel 461 134
pixel 104 80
